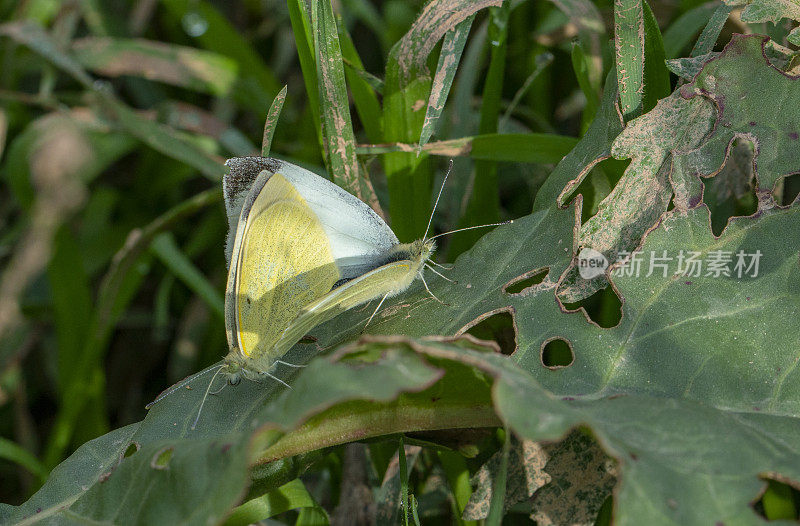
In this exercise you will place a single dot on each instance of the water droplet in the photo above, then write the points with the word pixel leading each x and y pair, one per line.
pixel 194 24
pixel 102 86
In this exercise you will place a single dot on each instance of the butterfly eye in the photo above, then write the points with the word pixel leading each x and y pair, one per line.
pixel 235 381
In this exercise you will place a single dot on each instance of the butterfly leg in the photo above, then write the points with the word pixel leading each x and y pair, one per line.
pixel 445 267
pixel 288 364
pixel 218 391
pixel 374 312
pixel 429 290
pixel 265 373
pixel 440 274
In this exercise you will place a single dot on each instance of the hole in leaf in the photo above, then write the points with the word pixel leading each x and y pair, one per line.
pixel 779 500
pixel 603 307
pixel 497 326
pixel 557 353
pixel 162 458
pixel 597 185
pixel 786 190
pixel 730 193
pixel 521 284
pixel 131 449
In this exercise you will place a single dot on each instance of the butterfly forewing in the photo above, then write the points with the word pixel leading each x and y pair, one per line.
pixel 283 263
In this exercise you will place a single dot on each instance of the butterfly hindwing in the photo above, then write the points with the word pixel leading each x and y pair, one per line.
pixel 386 280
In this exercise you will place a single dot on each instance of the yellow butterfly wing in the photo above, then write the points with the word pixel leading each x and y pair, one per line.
pixel 281 262
pixel 387 280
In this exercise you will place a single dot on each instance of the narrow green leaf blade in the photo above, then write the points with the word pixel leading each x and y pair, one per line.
pixel 449 59
pixel 337 126
pixel 183 66
pixel 708 38
pixel 272 122
pixel 167 250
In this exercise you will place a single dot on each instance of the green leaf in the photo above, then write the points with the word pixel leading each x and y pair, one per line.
pixel 738 82
pixel 290 496
pixel 770 11
pixel 643 193
pixel 688 68
pixel 195 69
pixel 180 482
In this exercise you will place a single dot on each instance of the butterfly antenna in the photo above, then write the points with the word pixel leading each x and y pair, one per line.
pixel 440 274
pixel 472 228
pixel 430 220
pixel 375 312
pixel 205 396
pixel 181 385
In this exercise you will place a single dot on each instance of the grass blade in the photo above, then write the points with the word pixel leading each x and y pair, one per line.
pixel 272 122
pixel 707 39
pixel 195 69
pixel 683 29
pixel 290 496
pixel 497 505
pixel 656 74
pixel 483 206
pixel 580 65
pixel 542 60
pixel 449 59
pixel 361 87
pixel 304 42
pixel 13 452
pixel 406 90
pixel 642 76
pixel 337 127
pixel 167 251
pixel 543 148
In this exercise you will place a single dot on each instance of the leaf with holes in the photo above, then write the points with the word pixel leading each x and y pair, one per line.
pixel 694 393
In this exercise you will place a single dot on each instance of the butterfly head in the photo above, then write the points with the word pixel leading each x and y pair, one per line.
pixel 421 250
